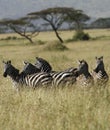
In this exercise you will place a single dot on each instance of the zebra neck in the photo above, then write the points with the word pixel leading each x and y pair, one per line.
pixel 98 68
pixel 87 75
pixel 14 77
pixel 18 78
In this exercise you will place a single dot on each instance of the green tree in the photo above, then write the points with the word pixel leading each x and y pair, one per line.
pixel 55 17
pixel 22 26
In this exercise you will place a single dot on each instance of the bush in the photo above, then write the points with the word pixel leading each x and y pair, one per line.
pixel 39 42
pixel 10 38
pixel 55 46
pixel 80 35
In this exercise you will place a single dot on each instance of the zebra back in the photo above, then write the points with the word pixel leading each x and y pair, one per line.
pixel 38 80
pixel 63 78
pixel 59 78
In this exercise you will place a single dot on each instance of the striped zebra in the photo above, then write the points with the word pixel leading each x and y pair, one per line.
pixel 99 74
pixel 43 65
pixel 84 78
pixel 30 68
pixel 33 80
pixel 66 77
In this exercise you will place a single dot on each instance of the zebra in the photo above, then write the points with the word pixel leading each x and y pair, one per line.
pixel 66 77
pixel 84 78
pixel 63 78
pixel 43 65
pixel 20 79
pixel 30 68
pixel 99 74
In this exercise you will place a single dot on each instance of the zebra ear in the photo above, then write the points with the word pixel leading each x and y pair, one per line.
pixel 25 62
pixel 79 62
pixel 101 57
pixel 9 62
pixel 96 58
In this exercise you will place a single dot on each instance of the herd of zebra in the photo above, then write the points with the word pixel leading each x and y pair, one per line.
pixel 42 74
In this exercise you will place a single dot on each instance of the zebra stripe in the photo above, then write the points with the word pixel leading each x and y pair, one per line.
pixel 63 78
pixel 66 76
pixel 43 65
pixel 38 79
pixel 34 80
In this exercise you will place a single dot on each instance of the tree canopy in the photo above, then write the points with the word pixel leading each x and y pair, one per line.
pixel 55 17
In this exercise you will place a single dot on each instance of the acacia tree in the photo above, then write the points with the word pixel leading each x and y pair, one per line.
pixel 55 17
pixel 77 19
pixel 22 27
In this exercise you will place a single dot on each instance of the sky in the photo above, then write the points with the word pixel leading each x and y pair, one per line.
pixel 19 8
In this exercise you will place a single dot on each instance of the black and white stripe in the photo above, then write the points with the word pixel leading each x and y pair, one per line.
pixel 33 80
pixel 43 65
pixel 65 77
pixel 84 78
pixel 99 73
pixel 30 68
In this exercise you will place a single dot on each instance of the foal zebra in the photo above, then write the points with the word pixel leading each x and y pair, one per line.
pixel 84 78
pixel 43 65
pixel 66 77
pixel 99 74
pixel 34 80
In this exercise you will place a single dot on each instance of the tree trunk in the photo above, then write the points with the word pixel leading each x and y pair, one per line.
pixel 60 39
pixel 31 41
pixel 22 34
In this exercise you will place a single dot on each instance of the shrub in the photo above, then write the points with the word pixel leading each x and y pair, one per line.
pixel 10 38
pixel 80 35
pixel 39 42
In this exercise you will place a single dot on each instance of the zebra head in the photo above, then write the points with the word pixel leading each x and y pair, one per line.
pixel 10 70
pixel 29 68
pixel 43 65
pixel 99 64
pixel 83 67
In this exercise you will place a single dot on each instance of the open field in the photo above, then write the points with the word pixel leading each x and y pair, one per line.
pixel 61 109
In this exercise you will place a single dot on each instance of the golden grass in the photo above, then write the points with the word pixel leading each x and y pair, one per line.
pixel 55 109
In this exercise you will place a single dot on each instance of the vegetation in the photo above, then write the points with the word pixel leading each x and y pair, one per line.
pixel 55 17
pixel 23 27
pixel 101 23
pixel 72 108
pixel 80 35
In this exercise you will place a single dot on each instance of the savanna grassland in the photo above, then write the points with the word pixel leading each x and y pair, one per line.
pixel 72 108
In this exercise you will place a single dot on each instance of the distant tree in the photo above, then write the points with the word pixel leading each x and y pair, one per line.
pixel 76 19
pixel 101 23
pixel 3 28
pixel 23 27
pixel 55 17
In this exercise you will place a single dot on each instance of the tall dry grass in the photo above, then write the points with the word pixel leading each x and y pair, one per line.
pixel 72 108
